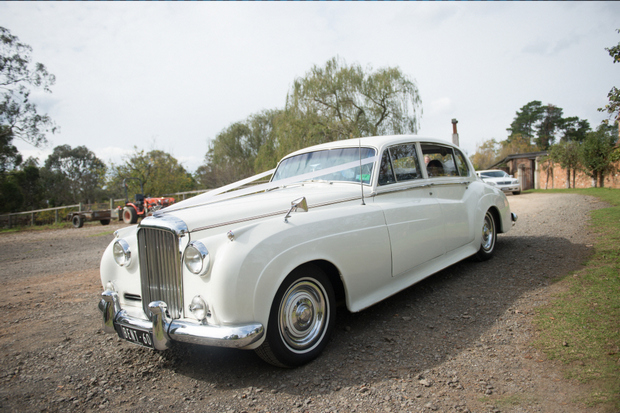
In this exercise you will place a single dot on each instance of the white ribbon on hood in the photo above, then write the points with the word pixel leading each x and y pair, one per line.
pixel 223 194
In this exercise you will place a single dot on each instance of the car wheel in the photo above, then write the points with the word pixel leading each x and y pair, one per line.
pixel 489 236
pixel 105 222
pixel 129 215
pixel 301 320
pixel 78 221
pixel 516 192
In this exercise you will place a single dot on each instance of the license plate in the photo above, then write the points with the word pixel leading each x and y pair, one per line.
pixel 143 338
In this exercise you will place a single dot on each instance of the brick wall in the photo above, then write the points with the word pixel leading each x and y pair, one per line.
pixel 557 179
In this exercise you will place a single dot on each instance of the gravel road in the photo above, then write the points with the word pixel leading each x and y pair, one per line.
pixel 456 342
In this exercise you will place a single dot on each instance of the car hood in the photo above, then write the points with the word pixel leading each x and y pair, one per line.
pixel 207 212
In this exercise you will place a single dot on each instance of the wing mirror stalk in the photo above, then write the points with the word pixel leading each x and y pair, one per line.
pixel 299 203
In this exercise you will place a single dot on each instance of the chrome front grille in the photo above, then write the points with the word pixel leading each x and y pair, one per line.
pixel 160 269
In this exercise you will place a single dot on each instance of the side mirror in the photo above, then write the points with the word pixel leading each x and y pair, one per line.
pixel 299 203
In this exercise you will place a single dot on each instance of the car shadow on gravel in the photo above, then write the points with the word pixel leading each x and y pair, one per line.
pixel 406 334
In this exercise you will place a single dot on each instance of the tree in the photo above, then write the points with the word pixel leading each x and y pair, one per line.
pixel 233 154
pixel 74 175
pixel 19 117
pixel 345 101
pixel 551 121
pixel 567 154
pixel 574 129
pixel 159 172
pixel 599 153
pixel 525 121
pixel 487 153
pixel 516 144
pixel 613 107
pixel 21 189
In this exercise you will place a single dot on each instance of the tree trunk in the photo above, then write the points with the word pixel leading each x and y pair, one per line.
pixel 601 180
pixel 574 172
pixel 568 177
pixel 594 179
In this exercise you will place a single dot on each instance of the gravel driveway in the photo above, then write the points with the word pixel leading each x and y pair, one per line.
pixel 456 342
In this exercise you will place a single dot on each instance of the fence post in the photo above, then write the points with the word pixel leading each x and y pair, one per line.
pixel 32 219
pixel 80 207
pixel 56 216
pixel 9 221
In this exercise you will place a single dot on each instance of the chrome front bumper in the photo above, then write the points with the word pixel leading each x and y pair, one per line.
pixel 164 330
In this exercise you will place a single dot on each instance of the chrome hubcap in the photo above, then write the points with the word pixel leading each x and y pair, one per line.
pixel 303 315
pixel 487 233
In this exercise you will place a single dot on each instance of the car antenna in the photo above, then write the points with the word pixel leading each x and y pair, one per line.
pixel 361 179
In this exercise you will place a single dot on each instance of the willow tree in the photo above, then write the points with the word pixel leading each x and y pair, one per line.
pixel 340 101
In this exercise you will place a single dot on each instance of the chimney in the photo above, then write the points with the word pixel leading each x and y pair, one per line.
pixel 455 135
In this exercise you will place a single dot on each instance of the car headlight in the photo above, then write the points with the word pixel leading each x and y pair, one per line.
pixel 196 258
pixel 122 253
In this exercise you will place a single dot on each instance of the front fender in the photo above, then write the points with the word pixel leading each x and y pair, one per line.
pixel 249 270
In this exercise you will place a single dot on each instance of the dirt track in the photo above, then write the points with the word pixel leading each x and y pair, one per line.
pixel 458 341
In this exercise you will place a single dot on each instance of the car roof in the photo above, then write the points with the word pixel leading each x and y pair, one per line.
pixel 377 142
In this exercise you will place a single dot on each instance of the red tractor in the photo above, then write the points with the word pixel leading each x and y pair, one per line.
pixel 142 206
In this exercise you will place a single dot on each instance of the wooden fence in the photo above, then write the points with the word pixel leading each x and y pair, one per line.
pixel 52 215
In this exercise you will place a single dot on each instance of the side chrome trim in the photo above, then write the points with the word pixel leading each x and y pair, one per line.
pixel 450 183
pixel 165 330
pixel 390 189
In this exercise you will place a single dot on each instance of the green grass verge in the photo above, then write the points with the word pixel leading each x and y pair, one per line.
pixel 581 327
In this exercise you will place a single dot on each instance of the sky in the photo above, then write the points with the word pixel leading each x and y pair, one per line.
pixel 172 75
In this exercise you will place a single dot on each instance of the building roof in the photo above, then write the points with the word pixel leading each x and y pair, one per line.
pixel 529 155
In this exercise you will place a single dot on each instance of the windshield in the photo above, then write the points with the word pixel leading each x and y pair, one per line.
pixel 319 160
pixel 494 174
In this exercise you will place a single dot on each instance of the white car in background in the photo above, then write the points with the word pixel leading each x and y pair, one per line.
pixel 501 180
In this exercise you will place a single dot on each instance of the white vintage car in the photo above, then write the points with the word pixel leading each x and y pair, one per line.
pixel 263 267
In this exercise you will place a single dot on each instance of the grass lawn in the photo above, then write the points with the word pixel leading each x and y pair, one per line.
pixel 581 327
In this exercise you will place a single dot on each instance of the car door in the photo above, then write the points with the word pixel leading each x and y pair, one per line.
pixel 450 178
pixel 412 213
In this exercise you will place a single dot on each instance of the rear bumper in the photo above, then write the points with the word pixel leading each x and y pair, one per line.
pixel 164 330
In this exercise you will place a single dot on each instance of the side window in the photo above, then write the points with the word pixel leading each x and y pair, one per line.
pixel 461 163
pixel 405 162
pixel 399 163
pixel 386 175
pixel 439 160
